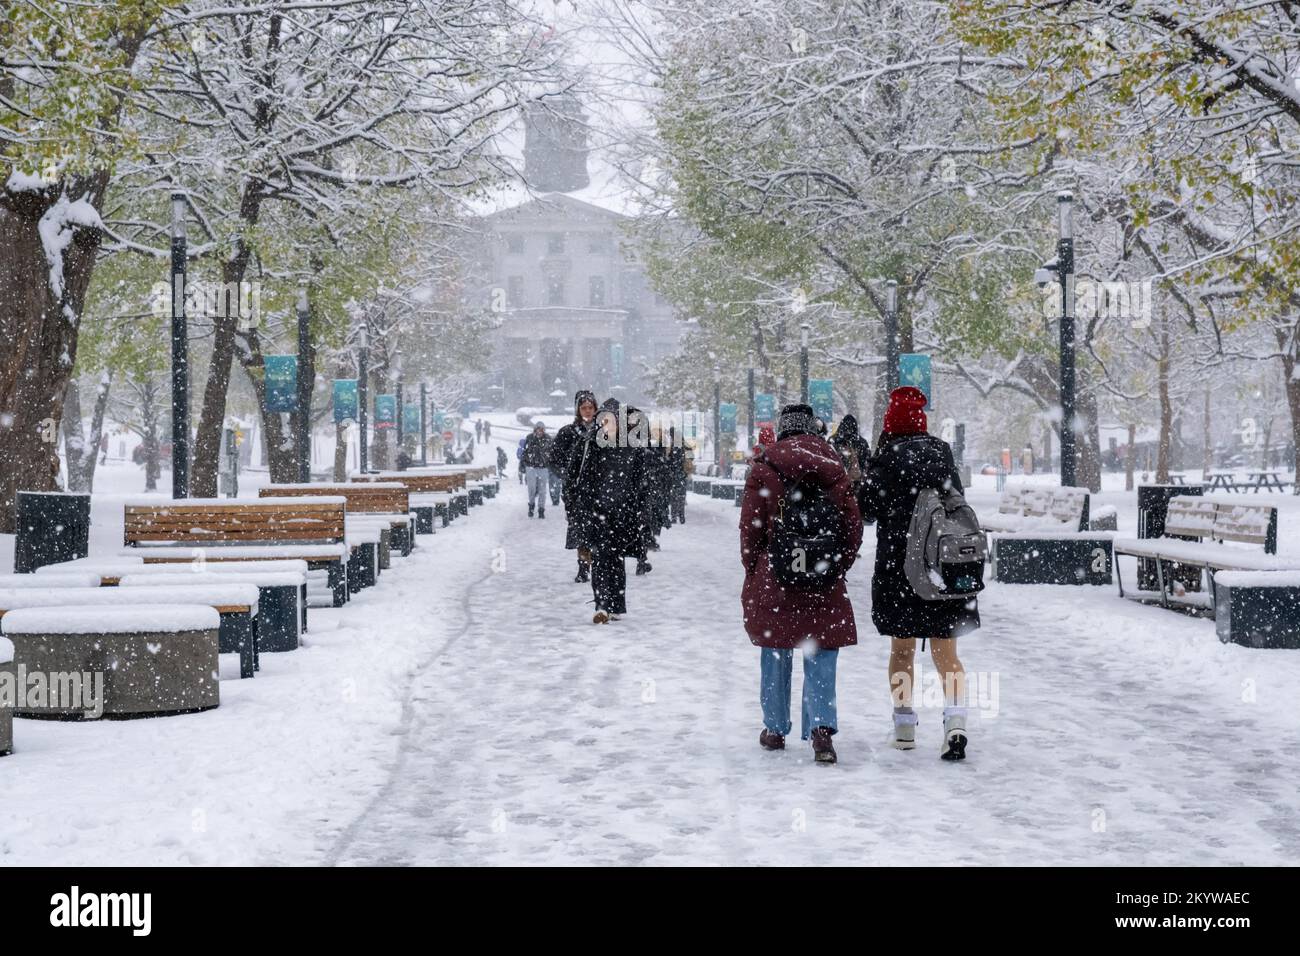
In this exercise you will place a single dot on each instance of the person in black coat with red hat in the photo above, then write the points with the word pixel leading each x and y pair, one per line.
pixel 907 460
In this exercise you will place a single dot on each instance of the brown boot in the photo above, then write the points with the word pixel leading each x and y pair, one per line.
pixel 770 741
pixel 823 751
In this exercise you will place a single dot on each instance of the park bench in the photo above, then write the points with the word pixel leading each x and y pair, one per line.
pixel 64 579
pixel 430 495
pixel 154 660
pixel 372 501
pixel 728 489
pixel 281 607
pixel 1208 534
pixel 236 603
pixel 7 675
pixel 1043 536
pixel 311 529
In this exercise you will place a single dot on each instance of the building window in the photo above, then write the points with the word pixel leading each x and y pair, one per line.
pixel 555 290
pixel 515 245
pixel 555 244
pixel 598 242
pixel 515 292
pixel 597 297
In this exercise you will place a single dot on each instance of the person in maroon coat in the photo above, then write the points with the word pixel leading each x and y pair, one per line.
pixel 778 618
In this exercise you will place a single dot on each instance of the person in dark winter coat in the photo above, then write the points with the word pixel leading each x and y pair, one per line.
pixel 536 464
pixel 766 437
pixel 502 461
pixel 519 455
pixel 908 460
pixel 779 619
pixel 566 439
pixel 855 452
pixel 677 477
pixel 609 500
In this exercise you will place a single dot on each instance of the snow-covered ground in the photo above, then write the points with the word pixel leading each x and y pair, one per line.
pixel 466 711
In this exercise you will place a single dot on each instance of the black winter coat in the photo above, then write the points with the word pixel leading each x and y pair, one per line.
pixel 537 451
pixel 901 467
pixel 609 497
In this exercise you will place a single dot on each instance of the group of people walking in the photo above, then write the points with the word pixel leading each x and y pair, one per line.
pixel 622 485
pixel 805 502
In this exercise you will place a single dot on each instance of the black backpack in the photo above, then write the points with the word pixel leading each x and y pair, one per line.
pixel 805 542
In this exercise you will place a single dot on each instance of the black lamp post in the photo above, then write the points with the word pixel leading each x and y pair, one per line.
pixel 363 372
pixel 306 379
pixel 1065 276
pixel 180 356
pixel 717 414
pixel 424 426
pixel 803 362
pixel 891 335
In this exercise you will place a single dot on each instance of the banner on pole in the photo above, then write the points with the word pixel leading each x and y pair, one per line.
pixel 345 400
pixel 385 412
pixel 765 408
pixel 821 398
pixel 914 370
pixel 727 418
pixel 411 419
pixel 281 377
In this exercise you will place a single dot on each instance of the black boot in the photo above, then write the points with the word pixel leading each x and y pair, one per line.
pixel 530 511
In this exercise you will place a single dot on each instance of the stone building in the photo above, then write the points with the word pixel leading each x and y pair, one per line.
pixel 575 308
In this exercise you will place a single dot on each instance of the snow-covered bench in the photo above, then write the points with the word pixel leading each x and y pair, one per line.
pixel 1210 534
pixel 235 602
pixel 1042 536
pixel 432 495
pixel 366 502
pixel 281 596
pixel 728 489
pixel 311 529
pixel 57 579
pixel 8 675
pixel 1026 509
pixel 153 660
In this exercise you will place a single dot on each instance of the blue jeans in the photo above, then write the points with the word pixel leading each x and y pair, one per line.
pixel 818 690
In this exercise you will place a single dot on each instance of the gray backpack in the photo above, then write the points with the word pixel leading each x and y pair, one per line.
pixel 945 547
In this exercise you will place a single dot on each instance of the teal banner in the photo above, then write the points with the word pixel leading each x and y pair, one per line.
pixel 914 370
pixel 764 407
pixel 385 411
pixel 821 398
pixel 281 373
pixel 727 418
pixel 345 400
pixel 411 419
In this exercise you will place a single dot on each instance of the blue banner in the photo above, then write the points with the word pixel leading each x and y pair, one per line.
pixel 281 377
pixel 345 400
pixel 727 418
pixel 914 370
pixel 821 398
pixel 411 419
pixel 764 408
pixel 385 411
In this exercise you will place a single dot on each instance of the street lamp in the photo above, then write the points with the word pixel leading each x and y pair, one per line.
pixel 1061 271
pixel 750 386
pixel 363 361
pixel 424 426
pixel 397 376
pixel 804 327
pixel 180 356
pixel 306 379
pixel 891 335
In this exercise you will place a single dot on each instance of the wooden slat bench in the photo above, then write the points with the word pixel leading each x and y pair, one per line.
pixel 236 603
pixel 1201 533
pixel 432 494
pixel 1027 509
pixel 1042 536
pixel 312 529
pixel 362 498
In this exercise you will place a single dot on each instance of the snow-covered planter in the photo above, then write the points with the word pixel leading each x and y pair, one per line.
pixel 115 661
pixel 7 686
pixel 1258 608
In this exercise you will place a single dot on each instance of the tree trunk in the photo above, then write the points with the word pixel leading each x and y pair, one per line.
pixel 1207 458
pixel 38 325
pixel 1047 446
pixel 81 451
pixel 1088 457
pixel 341 451
pixel 1129 456
pixel 149 432
pixel 1166 409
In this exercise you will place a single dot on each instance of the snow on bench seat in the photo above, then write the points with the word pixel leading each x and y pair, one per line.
pixel 1209 555
pixel 105 619
pixel 1049 535
pixel 163 575
pixel 6 651
pixel 63 579
pixel 219 595
pixel 1259 579
pixel 238 552
pixel 91 564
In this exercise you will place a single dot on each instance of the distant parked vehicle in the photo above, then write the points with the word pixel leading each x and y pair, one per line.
pixel 988 469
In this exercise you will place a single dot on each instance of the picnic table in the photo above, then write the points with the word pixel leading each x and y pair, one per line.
pixel 1264 479
pixel 1177 478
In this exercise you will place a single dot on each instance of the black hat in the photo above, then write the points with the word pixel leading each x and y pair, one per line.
pixel 584 395
pixel 797 420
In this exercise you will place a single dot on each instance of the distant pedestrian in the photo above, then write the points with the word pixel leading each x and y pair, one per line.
pixel 568 438
pixel 799 534
pixel 854 451
pixel 519 456
pixel 907 462
pixel 677 471
pixel 478 429
pixel 502 461
pixel 535 462
pixel 766 438
pixel 487 430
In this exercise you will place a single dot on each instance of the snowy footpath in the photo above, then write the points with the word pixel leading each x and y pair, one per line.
pixel 466 711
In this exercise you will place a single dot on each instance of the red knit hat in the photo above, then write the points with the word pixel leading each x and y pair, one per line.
pixel 767 435
pixel 905 415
